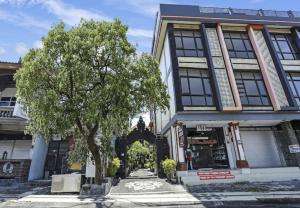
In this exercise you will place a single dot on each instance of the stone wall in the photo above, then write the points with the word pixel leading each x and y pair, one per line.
pixel 286 136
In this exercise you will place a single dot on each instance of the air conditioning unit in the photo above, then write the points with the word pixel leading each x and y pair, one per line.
pixel 66 183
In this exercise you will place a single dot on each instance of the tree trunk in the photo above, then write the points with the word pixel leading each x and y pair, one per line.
pixel 97 158
pixel 98 168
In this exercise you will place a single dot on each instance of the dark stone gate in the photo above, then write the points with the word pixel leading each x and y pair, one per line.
pixel 141 133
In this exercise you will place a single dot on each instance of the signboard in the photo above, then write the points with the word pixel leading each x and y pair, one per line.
pixel 209 175
pixel 203 128
pixel 207 141
pixel 295 148
pixel 90 168
pixel 180 136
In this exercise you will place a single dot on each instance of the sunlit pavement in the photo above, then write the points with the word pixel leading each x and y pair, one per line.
pixel 155 192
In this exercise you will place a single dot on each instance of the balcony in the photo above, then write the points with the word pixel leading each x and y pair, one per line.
pixel 6 112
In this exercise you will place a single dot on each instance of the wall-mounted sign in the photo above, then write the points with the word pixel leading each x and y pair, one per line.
pixel 8 168
pixel 207 141
pixel 295 148
pixel 199 138
pixel 203 128
pixel 180 134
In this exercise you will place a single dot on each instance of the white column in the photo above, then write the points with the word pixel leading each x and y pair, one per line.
pixel 39 153
pixel 238 144
pixel 229 147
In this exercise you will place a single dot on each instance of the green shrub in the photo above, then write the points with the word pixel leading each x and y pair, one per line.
pixel 113 167
pixel 147 165
pixel 169 167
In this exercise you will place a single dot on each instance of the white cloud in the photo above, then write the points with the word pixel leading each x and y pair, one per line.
pixel 38 44
pixel 70 14
pixel 24 20
pixel 2 50
pixel 144 7
pixel 21 48
pixel 140 33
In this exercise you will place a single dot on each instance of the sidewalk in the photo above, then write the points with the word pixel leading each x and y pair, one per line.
pixel 163 197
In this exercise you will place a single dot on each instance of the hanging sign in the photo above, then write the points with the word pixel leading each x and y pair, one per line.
pixel 180 136
pixel 203 127
pixel 295 148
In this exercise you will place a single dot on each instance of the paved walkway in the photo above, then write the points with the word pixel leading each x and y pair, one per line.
pixel 141 173
pixel 220 200
pixel 149 185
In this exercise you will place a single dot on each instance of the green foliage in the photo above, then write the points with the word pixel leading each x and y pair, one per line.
pixel 113 167
pixel 169 167
pixel 137 149
pixel 86 82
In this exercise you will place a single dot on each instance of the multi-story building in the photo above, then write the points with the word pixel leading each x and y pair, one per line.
pixel 233 76
pixel 23 156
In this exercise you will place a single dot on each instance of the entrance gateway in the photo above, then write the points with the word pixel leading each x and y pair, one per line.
pixel 141 133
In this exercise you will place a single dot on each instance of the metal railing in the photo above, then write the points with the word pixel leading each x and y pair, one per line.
pixel 251 12
pixel 6 112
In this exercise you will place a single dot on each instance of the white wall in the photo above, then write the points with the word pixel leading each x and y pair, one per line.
pixel 165 65
pixel 16 149
pixel 8 92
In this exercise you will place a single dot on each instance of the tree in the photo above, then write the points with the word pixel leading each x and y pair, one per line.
pixel 86 82
pixel 135 151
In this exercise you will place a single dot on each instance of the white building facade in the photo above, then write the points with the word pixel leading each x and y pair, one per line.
pixel 233 78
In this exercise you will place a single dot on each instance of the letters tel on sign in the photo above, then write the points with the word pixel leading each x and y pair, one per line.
pixel 295 148
pixel 203 128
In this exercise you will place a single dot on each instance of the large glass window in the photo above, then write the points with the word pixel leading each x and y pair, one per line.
pixel 195 87
pixel 285 47
pixel 188 43
pixel 8 101
pixel 238 45
pixel 294 80
pixel 252 89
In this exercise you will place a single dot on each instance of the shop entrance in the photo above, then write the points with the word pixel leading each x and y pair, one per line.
pixel 206 149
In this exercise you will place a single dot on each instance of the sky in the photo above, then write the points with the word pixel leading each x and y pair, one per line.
pixel 24 22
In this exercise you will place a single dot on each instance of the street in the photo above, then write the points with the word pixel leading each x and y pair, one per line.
pixel 145 190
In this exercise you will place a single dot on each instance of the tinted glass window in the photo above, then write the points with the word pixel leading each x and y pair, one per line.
pixel 188 43
pixel 251 89
pixel 195 87
pixel 285 47
pixel 294 81
pixel 8 101
pixel 238 45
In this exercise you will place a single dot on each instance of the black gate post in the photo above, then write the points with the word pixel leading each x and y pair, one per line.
pixel 162 153
pixel 121 146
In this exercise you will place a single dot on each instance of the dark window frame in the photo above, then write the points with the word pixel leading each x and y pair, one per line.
pixel 291 79
pixel 204 76
pixel 294 51
pixel 244 38
pixel 6 101
pixel 257 78
pixel 199 51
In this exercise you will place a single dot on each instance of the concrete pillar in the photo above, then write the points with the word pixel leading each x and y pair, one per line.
pixel 264 69
pixel 229 70
pixel 229 147
pixel 39 153
pixel 241 161
pixel 287 137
